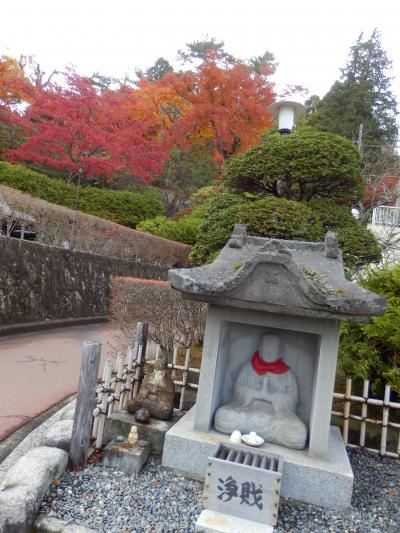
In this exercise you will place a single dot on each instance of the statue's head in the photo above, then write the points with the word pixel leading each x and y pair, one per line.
pixel 271 347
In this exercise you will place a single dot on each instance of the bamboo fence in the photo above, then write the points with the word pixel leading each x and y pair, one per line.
pixel 351 438
pixel 121 383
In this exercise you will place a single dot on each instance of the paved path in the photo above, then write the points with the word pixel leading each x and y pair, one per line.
pixel 38 370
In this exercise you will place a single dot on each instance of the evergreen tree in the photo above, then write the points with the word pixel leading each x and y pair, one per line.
pixel 159 69
pixel 361 96
pixel 201 49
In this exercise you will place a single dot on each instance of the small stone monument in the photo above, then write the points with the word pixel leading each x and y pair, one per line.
pixel 269 360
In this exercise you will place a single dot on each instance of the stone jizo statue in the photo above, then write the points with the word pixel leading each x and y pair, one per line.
pixel 265 398
pixel 156 393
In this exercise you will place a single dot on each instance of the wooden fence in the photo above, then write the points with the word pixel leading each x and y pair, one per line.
pixel 357 438
pixel 121 382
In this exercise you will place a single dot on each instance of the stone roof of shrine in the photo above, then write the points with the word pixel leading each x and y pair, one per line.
pixel 292 277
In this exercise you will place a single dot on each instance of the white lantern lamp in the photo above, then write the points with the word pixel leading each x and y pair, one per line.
pixel 286 111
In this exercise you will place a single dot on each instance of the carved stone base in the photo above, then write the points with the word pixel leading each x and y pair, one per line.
pixel 213 522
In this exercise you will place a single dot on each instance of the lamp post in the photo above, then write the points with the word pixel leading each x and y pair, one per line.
pixel 286 111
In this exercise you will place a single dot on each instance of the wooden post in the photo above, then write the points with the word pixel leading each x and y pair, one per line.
pixel 346 411
pixel 142 330
pixel 141 342
pixel 103 404
pixel 85 404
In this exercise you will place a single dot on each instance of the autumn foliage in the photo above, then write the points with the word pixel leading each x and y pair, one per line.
pixel 76 128
pixel 74 125
pixel 227 104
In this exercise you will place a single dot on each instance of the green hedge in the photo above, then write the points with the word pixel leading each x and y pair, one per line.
pixel 123 207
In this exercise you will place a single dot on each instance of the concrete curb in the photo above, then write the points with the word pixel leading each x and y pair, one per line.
pixel 36 437
pixel 27 327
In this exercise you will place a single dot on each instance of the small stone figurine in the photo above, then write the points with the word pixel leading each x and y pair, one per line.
pixel 133 435
pixel 156 393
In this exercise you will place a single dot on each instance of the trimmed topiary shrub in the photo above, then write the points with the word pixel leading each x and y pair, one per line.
pixel 283 219
pixel 122 207
pixel 301 166
pixel 372 351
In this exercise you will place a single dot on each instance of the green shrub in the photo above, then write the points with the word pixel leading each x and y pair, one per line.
pixel 301 166
pixel 123 207
pixel 204 195
pixel 372 351
pixel 183 230
pixel 283 219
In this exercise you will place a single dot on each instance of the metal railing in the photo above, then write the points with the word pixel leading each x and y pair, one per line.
pixel 386 215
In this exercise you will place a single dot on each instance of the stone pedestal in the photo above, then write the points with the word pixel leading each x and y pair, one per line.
pixel 120 423
pixel 213 522
pixel 326 482
pixel 127 459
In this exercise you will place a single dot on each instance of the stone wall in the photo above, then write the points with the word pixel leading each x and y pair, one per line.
pixel 39 282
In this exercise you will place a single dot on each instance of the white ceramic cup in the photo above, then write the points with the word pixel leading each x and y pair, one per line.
pixel 253 436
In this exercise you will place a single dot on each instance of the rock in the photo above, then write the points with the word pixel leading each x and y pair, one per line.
pixel 25 485
pixel 59 435
pixel 142 415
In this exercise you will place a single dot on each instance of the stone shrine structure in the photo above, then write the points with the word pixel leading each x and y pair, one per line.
pixel 269 360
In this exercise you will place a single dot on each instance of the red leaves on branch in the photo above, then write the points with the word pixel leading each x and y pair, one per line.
pixel 76 128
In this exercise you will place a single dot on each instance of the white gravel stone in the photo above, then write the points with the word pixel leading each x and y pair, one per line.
pixel 159 501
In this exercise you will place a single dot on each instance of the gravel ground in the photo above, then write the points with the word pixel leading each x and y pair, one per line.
pixel 158 501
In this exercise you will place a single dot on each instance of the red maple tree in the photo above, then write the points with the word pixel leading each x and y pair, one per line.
pixel 75 128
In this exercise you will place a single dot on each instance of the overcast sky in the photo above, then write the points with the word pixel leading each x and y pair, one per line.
pixel 310 39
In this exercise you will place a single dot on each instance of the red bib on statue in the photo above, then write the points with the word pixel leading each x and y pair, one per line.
pixel 262 367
